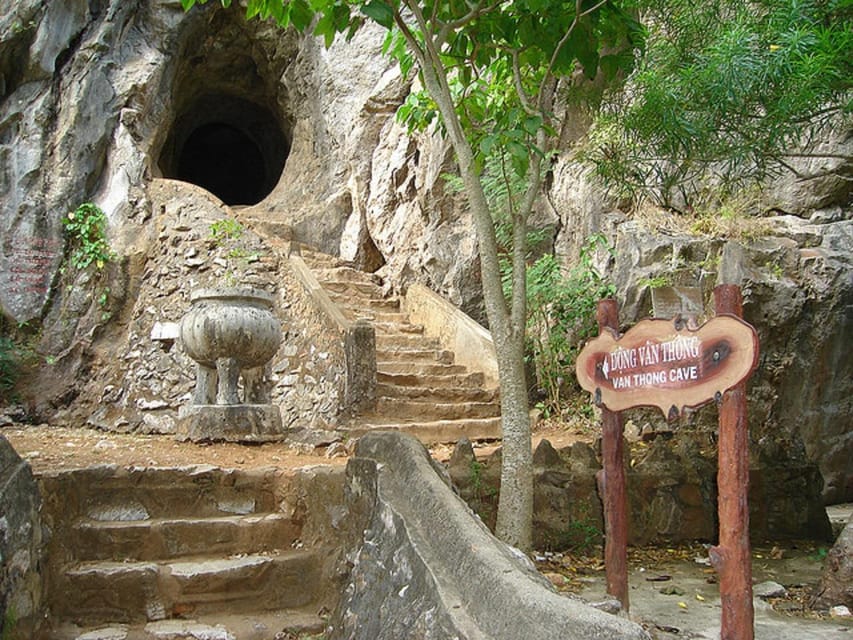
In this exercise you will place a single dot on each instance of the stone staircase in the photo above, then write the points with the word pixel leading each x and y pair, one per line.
pixel 196 552
pixel 420 389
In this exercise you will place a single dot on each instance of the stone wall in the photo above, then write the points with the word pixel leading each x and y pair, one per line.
pixel 22 545
pixel 423 566
pixel 672 494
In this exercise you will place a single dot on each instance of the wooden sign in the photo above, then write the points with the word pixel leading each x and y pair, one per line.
pixel 663 364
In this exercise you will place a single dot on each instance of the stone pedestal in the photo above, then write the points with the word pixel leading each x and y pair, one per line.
pixel 253 423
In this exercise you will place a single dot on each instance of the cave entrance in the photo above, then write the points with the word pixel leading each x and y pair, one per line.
pixel 233 147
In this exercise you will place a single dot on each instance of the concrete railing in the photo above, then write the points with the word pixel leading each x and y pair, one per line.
pixel 470 342
pixel 424 566
pixel 359 339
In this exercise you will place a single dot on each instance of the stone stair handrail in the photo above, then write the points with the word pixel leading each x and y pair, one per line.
pixel 456 331
pixel 359 339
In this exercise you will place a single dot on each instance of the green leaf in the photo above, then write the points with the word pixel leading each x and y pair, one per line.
pixel 487 144
pixel 380 12
pixel 300 14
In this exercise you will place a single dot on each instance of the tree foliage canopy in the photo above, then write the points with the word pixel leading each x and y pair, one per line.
pixel 726 88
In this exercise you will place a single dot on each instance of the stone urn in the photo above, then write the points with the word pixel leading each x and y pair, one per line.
pixel 231 333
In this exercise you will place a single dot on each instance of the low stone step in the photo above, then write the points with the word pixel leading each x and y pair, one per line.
pixel 407 410
pixel 437 431
pixel 397 328
pixel 403 341
pixel 165 538
pixel 110 493
pixel 403 354
pixel 343 273
pixel 417 369
pixel 261 625
pixel 392 320
pixel 443 394
pixel 463 379
pixel 364 304
pixel 353 288
pixel 137 591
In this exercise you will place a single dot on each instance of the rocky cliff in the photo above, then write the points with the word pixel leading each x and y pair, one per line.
pixel 99 98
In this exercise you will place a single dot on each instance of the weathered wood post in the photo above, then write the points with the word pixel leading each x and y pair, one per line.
pixel 731 558
pixel 611 481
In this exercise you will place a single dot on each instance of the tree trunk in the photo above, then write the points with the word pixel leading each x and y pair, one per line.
pixel 515 503
pixel 515 506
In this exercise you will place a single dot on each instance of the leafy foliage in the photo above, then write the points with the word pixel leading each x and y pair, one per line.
pixel 561 317
pixel 224 230
pixel 85 228
pixel 726 91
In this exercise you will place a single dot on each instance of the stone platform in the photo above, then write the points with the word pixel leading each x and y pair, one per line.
pixel 252 423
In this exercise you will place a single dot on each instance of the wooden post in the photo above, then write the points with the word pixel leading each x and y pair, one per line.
pixel 612 484
pixel 731 558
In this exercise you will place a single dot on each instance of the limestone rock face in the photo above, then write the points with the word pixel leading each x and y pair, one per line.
pixel 97 99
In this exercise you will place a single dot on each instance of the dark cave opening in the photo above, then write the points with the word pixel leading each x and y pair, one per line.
pixel 233 147
pixel 225 161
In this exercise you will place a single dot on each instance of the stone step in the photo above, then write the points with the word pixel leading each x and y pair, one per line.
pixel 398 328
pixel 402 341
pixel 449 393
pixel 387 319
pixel 110 493
pixel 419 410
pixel 343 273
pixel 353 288
pixel 272 625
pixel 402 354
pixel 319 260
pixel 166 538
pixel 462 379
pixel 364 305
pixel 436 431
pixel 125 592
pixel 418 369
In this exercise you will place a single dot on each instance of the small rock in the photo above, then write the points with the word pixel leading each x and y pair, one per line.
pixel 612 606
pixel 118 632
pixel 840 611
pixel 151 405
pixel 165 331
pixel 101 445
pixel 336 450
pixel 769 589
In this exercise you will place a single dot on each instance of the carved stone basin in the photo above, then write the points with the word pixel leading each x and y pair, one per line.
pixel 229 331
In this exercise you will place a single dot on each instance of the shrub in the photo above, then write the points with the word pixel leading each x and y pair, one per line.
pixel 560 318
pixel 86 230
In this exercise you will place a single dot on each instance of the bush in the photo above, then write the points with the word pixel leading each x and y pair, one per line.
pixel 86 230
pixel 560 318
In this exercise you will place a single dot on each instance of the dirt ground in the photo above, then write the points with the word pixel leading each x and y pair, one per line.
pixel 51 448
